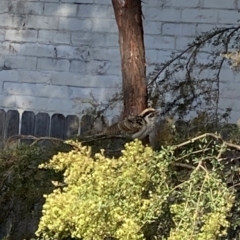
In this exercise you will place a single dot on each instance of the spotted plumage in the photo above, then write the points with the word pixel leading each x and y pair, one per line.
pixel 135 126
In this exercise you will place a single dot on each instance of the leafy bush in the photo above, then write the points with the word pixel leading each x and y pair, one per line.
pixel 22 186
pixel 177 193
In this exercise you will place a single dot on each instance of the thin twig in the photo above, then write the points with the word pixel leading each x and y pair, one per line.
pixel 198 44
pixel 37 139
pixel 191 153
pixel 30 137
pixel 184 165
pixel 9 171
pixel 231 145
pixel 220 68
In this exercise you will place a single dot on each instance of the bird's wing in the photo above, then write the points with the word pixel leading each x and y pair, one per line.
pixel 127 126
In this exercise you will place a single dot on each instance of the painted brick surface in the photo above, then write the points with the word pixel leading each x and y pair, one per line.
pixel 68 10
pixel 56 54
pixel 54 37
pixel 21 35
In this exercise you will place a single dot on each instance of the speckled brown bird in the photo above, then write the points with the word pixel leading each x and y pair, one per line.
pixel 134 126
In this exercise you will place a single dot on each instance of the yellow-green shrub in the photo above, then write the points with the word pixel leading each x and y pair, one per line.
pixel 133 197
pixel 114 197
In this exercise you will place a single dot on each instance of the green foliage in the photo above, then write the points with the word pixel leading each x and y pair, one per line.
pixel 106 197
pixel 22 186
pixel 177 193
pixel 208 201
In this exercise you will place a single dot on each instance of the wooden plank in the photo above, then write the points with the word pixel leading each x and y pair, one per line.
pixel 71 126
pixel 27 126
pixel 87 122
pixel 42 122
pixel 57 126
pixel 12 123
pixel 2 127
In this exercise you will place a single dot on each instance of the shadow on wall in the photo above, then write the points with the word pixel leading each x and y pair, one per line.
pixel 59 55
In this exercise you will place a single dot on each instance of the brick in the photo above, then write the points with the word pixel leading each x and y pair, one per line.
pixel 35 50
pixel 2 35
pixel 53 37
pixel 90 38
pixel 228 16
pixel 9 75
pixel 59 105
pixel 98 67
pixel 227 74
pixel 74 24
pixel 36 22
pixel 151 56
pixel 111 40
pixel 7 101
pixel 183 3
pixel 6 49
pixel 77 1
pixel 102 67
pixel 31 103
pixel 81 94
pixel 34 77
pixel 20 62
pixel 6 20
pixel 159 42
pixel 152 27
pixel 174 3
pixel 113 69
pixel 49 1
pixel 2 60
pixel 73 52
pixel 104 25
pixel 199 15
pixel 13 88
pixel 51 91
pixel 19 21
pixel 1 87
pixel 21 35
pixel 201 28
pixel 104 2
pixel 182 42
pixel 228 103
pixel 178 29
pixel 52 64
pixel 234 117
pixel 72 79
pixel 105 54
pixel 149 68
pixel 28 8
pixel 230 90
pixel 156 56
pixel 82 38
pixel 78 67
pixel 93 11
pixel 62 10
pixel 4 6
pixel 162 14
pixel 230 4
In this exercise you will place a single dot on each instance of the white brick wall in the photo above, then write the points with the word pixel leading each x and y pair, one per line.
pixel 54 53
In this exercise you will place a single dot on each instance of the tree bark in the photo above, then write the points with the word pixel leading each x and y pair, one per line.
pixel 128 15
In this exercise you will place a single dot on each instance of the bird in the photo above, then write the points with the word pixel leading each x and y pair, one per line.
pixel 137 127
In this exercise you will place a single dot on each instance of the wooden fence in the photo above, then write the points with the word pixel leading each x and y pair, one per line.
pixel 41 124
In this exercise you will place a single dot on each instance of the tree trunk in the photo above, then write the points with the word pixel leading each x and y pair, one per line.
pixel 128 15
